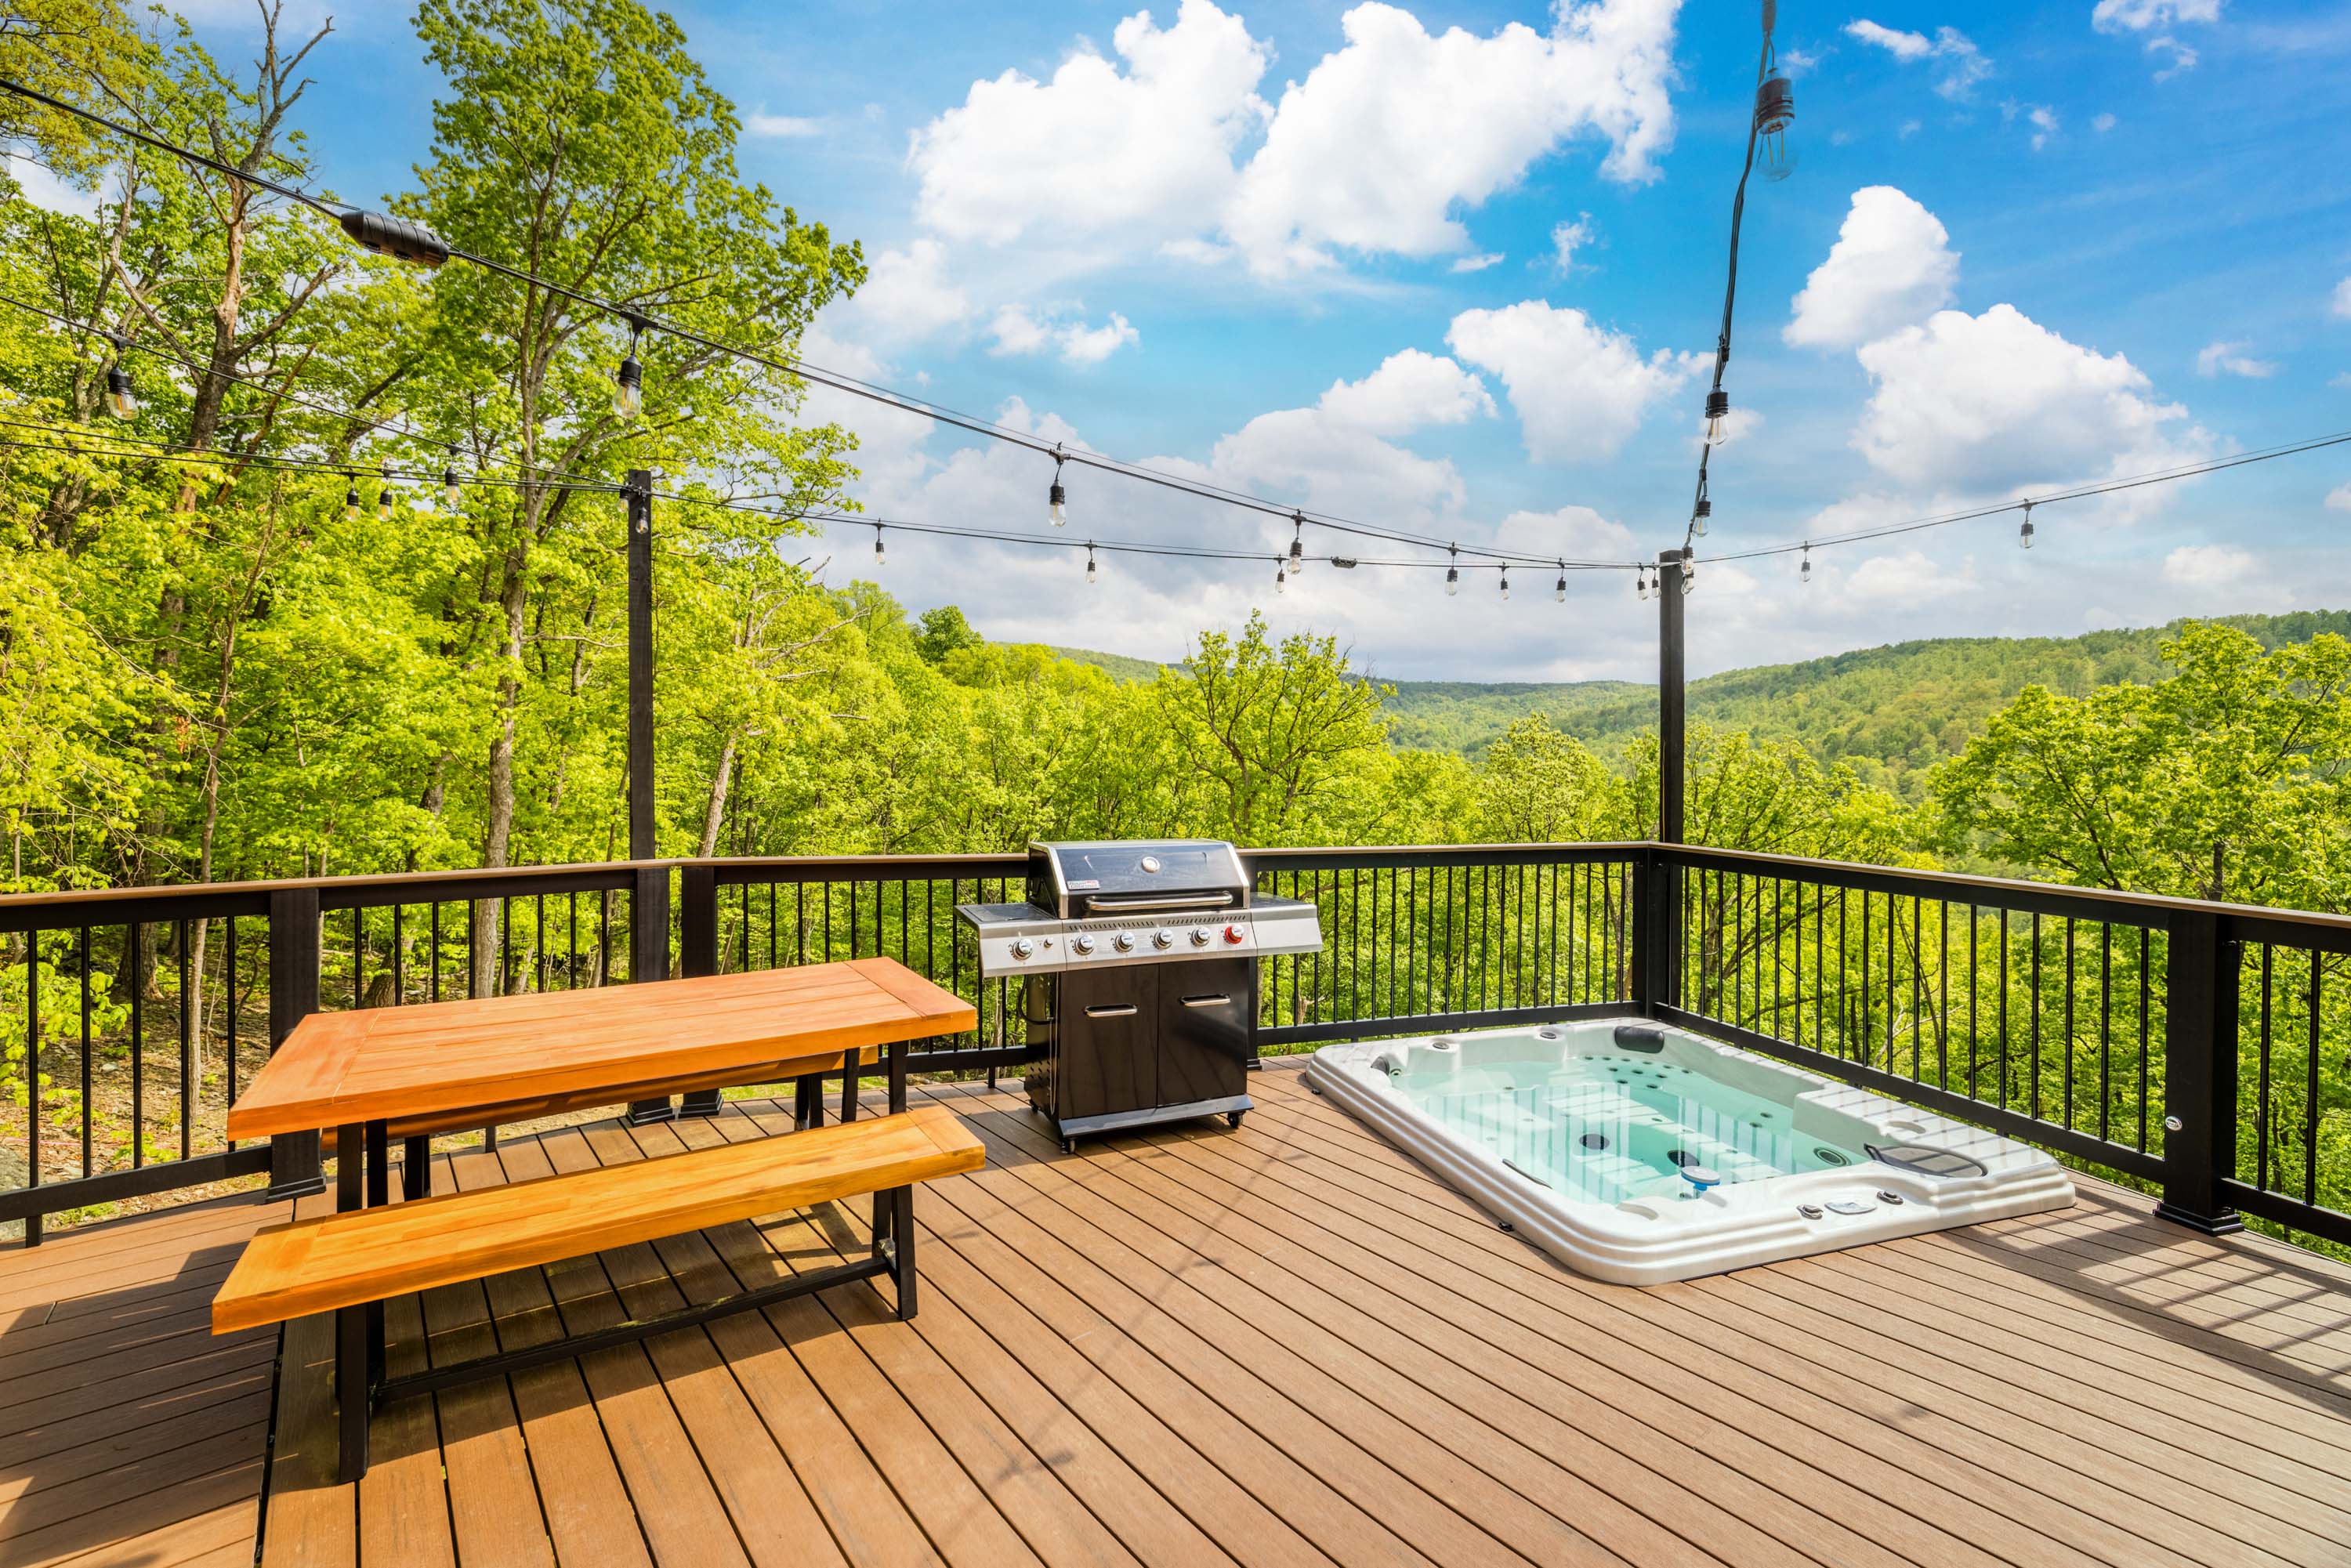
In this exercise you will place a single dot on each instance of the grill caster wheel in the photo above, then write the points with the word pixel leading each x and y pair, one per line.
pixel 1232 1118
pixel 1069 1145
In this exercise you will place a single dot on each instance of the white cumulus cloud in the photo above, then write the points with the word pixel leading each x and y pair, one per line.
pixel 1479 262
pixel 2338 499
pixel 1580 388
pixel 2230 358
pixel 1992 403
pixel 1961 63
pixel 1390 134
pixel 1410 391
pixel 908 295
pixel 780 127
pixel 2341 303
pixel 1567 238
pixel 1020 331
pixel 2210 566
pixel 2147 15
pixel 1143 152
pixel 1892 265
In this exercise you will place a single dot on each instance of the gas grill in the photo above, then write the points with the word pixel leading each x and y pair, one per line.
pixel 1138 977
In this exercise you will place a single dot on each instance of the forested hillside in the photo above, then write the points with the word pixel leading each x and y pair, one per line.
pixel 1892 712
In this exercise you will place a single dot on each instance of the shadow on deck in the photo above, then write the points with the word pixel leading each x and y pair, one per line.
pixel 1287 1344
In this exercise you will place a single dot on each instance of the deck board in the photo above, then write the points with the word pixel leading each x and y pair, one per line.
pixel 1284 1347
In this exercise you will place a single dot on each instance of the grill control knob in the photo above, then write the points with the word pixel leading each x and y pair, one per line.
pixel 1236 935
pixel 1163 937
pixel 1199 936
pixel 1123 941
pixel 1082 943
pixel 1022 947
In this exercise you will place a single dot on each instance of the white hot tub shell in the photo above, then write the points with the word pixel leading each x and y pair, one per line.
pixel 1465 1105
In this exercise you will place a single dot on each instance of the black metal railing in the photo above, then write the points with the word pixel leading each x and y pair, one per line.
pixel 2199 1049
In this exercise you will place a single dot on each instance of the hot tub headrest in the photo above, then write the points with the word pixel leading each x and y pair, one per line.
pixel 1640 1037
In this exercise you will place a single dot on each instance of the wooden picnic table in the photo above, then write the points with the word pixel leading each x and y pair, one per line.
pixel 433 1059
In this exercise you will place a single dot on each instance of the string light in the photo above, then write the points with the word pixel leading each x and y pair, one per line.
pixel 1641 582
pixel 121 401
pixel 1506 582
pixel 1056 498
pixel 383 503
pixel 1701 512
pixel 1281 576
pixel 1558 592
pixel 1298 543
pixel 1452 572
pixel 2024 534
pixel 881 557
pixel 1804 571
pixel 352 499
pixel 628 381
pixel 1690 572
pixel 1717 409
pixel 451 491
pixel 1089 558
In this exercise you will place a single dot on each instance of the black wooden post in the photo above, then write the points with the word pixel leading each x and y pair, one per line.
pixel 2199 1072
pixel 1661 912
pixel 697 953
pixel 294 1169
pixel 649 904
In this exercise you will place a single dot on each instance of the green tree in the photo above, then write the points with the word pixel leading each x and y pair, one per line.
pixel 945 631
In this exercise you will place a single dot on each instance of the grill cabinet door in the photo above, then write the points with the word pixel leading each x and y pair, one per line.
pixel 1204 1031
pixel 1108 1058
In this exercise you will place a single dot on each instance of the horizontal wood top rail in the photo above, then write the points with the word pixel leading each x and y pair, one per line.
pixel 388 1063
pixel 369 1254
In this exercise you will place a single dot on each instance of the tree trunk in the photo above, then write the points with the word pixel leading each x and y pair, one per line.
pixel 716 814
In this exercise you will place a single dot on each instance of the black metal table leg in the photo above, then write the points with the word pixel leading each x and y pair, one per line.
pixel 379 1193
pixel 902 1246
pixel 350 1392
pixel 808 1101
pixel 850 1062
pixel 416 1167
pixel 351 1145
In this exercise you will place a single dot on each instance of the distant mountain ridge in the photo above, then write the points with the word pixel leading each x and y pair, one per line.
pixel 1892 712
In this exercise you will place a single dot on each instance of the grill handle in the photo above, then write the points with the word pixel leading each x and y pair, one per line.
pixel 1113 904
pixel 1112 1010
pixel 1221 1000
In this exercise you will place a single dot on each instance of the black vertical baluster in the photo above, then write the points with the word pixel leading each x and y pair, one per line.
pixel 2106 1024
pixel 435 960
pixel 2003 1008
pixel 188 1085
pixel 1975 992
pixel 2310 1090
pixel 2262 1105
pixel 773 890
pixel 136 933
pixel 571 940
pixel 2034 1046
pixel 2142 1038
pixel 33 1077
pixel 1845 1008
pixel 83 944
pixel 852 917
pixel 228 1005
pixel 399 960
pixel 828 889
pixel 1943 1003
pixel 2069 1023
pixel 1862 1034
pixel 469 946
pixel 799 919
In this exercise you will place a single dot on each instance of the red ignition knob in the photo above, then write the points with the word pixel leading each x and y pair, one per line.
pixel 1236 935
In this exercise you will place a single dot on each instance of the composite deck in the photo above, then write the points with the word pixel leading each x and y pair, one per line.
pixel 1283 1345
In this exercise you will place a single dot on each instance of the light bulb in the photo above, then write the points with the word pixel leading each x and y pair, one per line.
pixel 1689 575
pixel 881 556
pixel 1559 593
pixel 1805 572
pixel 1641 582
pixel 1296 558
pixel 1280 579
pixel 1698 516
pixel 2024 534
pixel 1506 582
pixel 351 503
pixel 1089 565
pixel 451 491
pixel 1057 511
pixel 120 401
pixel 628 389
pixel 1717 409
pixel 385 499
pixel 1452 580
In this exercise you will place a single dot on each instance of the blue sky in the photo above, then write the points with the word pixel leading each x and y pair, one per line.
pixel 1454 267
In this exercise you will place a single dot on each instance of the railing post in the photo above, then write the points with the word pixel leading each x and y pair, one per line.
pixel 649 959
pixel 2199 1072
pixel 697 953
pixel 294 1169
pixel 1654 884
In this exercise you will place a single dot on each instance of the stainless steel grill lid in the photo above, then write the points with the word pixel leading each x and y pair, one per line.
pixel 1095 877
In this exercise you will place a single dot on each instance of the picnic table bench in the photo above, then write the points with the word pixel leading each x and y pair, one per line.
pixel 446 1065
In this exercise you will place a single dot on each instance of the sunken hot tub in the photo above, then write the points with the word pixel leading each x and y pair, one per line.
pixel 1640 1153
